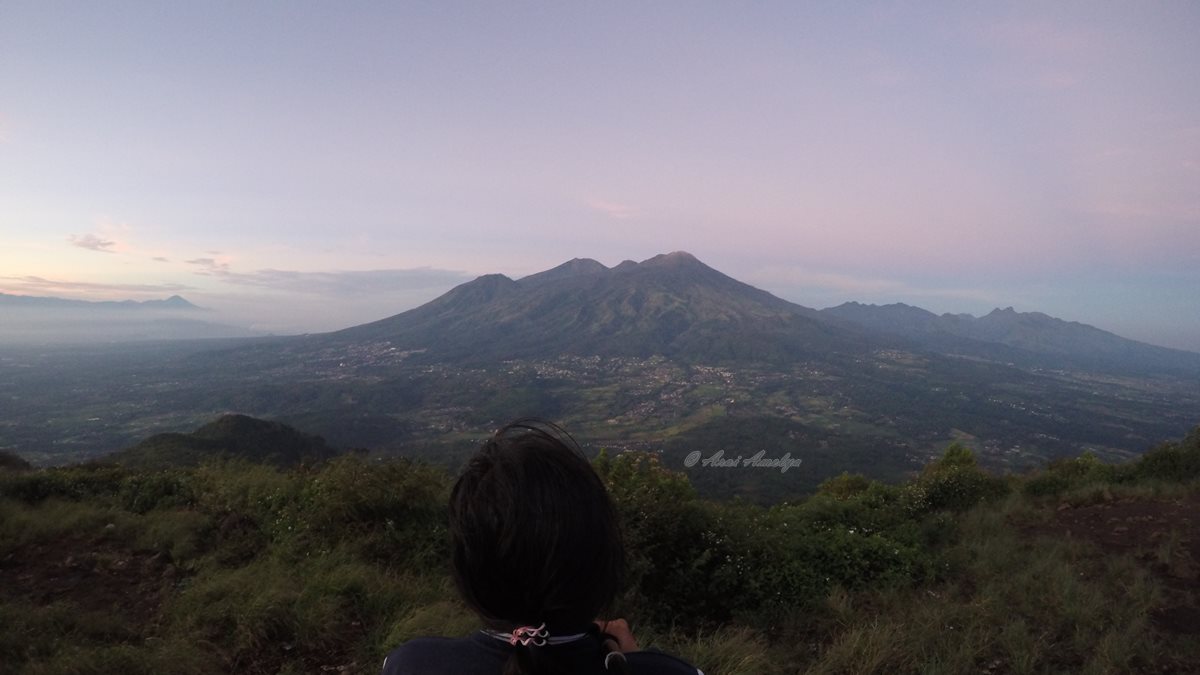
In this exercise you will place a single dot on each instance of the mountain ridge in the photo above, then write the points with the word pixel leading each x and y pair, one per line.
pixel 670 304
pixel 1035 333
pixel 674 305
pixel 174 302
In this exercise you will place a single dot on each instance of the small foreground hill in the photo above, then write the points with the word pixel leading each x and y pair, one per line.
pixel 229 437
pixel 13 462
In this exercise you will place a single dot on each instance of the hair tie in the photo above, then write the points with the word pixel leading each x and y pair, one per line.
pixel 533 636
pixel 527 635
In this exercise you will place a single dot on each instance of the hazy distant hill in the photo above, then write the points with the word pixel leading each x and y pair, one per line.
pixel 12 462
pixel 230 436
pixel 1032 333
pixel 671 305
pixel 175 302
pixel 43 320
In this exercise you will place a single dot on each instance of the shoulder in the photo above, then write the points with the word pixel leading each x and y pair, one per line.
pixel 654 662
pixel 433 655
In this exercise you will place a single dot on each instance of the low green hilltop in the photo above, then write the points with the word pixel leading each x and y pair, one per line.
pixel 233 566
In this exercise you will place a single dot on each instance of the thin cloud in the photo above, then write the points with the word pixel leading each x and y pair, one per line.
pixel 1046 55
pixel 1043 39
pixel 863 286
pixel 42 285
pixel 793 276
pixel 613 209
pixel 209 266
pixel 93 242
pixel 159 258
pixel 348 283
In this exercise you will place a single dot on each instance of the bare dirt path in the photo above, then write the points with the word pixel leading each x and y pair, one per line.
pixel 1163 534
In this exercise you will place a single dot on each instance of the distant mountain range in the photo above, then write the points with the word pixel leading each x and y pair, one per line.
pixel 173 303
pixel 47 320
pixel 673 305
pixel 1028 335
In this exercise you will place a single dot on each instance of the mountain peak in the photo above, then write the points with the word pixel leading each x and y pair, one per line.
pixel 478 291
pixel 671 304
pixel 173 302
pixel 574 267
pixel 672 258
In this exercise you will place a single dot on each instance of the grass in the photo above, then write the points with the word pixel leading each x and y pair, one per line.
pixel 327 569
pixel 1014 606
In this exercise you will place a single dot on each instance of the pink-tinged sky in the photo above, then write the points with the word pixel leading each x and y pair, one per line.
pixel 306 166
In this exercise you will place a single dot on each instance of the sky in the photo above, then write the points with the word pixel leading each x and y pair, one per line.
pixel 308 166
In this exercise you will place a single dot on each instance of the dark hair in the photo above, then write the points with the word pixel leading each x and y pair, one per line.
pixel 534 537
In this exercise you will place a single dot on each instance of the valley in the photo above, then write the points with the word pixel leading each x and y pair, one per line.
pixel 881 414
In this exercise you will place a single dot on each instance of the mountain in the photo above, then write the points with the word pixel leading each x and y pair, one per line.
pixel 670 305
pixel 229 437
pixel 173 303
pixel 1007 334
pixel 675 306
pixel 666 354
pixel 45 320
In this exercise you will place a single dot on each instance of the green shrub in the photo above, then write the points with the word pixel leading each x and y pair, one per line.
pixel 956 455
pixel 954 482
pixel 75 483
pixel 397 509
pixel 143 492
pixel 961 488
pixel 1063 475
pixel 1172 461
pixel 183 535
pixel 844 486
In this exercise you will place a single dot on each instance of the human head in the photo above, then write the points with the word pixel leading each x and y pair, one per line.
pixel 534 534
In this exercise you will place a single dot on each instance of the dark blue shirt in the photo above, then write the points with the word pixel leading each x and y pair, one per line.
pixel 479 654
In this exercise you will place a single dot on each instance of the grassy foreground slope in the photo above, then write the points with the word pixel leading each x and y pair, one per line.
pixel 236 567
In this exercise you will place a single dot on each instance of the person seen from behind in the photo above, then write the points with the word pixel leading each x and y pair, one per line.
pixel 537 553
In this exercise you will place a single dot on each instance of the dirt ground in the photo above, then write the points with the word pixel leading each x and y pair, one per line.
pixel 1164 535
pixel 94 575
